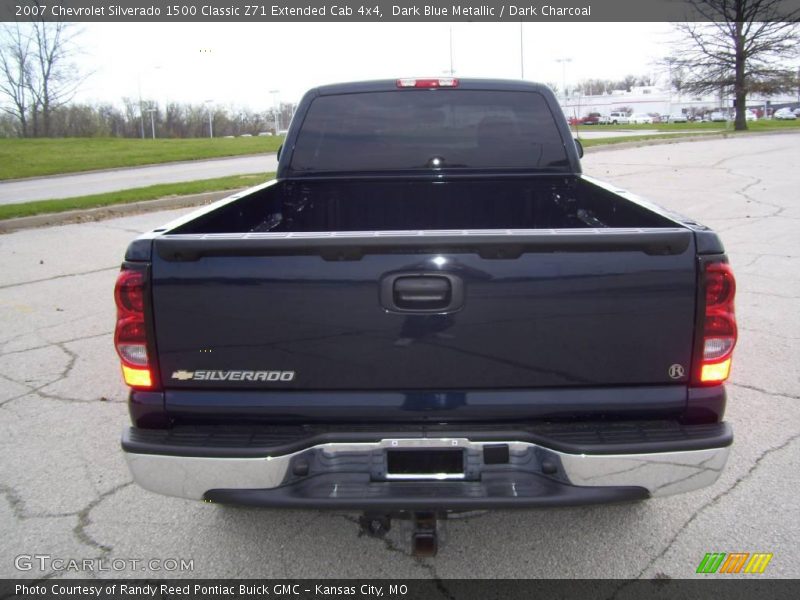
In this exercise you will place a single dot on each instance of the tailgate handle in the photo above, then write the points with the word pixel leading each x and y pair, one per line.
pixel 422 293
pixel 412 292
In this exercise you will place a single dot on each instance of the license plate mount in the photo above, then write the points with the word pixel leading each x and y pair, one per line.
pixel 425 463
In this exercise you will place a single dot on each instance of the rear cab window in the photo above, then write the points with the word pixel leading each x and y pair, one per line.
pixel 424 129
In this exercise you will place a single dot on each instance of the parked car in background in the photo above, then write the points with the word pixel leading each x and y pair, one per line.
pixel 604 120
pixel 796 111
pixel 678 118
pixel 641 119
pixel 619 118
pixel 591 119
pixel 749 115
pixel 718 117
pixel 784 114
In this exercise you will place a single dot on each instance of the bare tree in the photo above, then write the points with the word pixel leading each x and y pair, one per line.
pixel 739 49
pixel 15 71
pixel 37 71
pixel 55 78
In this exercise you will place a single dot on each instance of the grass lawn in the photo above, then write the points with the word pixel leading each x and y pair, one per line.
pixel 50 156
pixel 762 125
pixel 678 130
pixel 26 209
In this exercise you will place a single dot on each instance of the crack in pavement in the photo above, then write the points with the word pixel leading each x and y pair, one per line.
pixel 759 255
pixel 50 344
pixel 742 191
pixel 763 391
pixel 39 330
pixel 73 358
pixel 713 502
pixel 18 510
pixel 55 277
pixel 749 154
pixel 84 520
pixel 36 391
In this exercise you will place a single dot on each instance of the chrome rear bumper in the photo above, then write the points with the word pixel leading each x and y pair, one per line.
pixel 342 474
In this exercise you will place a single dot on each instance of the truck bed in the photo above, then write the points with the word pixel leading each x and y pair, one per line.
pixel 341 205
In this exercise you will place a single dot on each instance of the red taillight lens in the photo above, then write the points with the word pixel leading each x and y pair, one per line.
pixel 130 334
pixel 129 291
pixel 720 284
pixel 719 324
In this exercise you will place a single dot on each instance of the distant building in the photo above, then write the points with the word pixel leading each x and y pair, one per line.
pixel 651 99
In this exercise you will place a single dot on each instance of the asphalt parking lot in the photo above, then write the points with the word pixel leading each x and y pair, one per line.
pixel 67 493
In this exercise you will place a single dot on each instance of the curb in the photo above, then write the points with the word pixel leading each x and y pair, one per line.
pixel 107 212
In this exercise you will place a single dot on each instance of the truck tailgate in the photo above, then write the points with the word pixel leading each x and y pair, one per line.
pixel 424 310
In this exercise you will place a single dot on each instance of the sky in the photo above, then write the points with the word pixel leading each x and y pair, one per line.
pixel 254 65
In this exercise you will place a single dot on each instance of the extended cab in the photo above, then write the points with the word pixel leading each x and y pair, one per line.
pixel 429 309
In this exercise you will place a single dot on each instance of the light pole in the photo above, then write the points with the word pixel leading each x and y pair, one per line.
pixel 564 62
pixel 141 108
pixel 452 70
pixel 151 110
pixel 210 119
pixel 669 61
pixel 276 107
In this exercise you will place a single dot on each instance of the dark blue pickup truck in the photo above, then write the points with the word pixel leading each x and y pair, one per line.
pixel 429 309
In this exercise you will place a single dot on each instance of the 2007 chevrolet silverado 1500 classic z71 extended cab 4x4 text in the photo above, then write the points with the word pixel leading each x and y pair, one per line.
pixel 429 309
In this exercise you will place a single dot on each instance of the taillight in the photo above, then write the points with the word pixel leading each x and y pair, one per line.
pixel 719 324
pixel 130 334
pixel 427 83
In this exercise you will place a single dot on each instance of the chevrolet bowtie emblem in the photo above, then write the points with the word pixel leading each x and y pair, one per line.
pixel 183 375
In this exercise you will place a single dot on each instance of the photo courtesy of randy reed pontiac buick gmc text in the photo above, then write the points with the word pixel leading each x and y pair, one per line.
pixel 430 309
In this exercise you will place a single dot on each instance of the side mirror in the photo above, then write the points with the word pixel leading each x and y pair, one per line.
pixel 578 147
pixel 281 148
